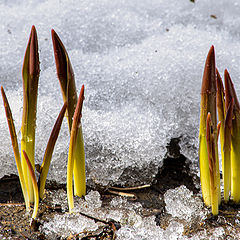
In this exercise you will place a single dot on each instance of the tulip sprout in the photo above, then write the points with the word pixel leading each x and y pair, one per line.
pixel 67 82
pixel 73 147
pixel 227 152
pixel 49 151
pixel 34 183
pixel 208 105
pixel 229 129
pixel 30 74
pixel 15 148
pixel 26 164
pixel 235 137
pixel 211 147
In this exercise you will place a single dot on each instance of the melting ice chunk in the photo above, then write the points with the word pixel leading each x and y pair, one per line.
pixel 181 203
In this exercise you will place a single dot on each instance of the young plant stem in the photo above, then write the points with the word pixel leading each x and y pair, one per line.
pixel 49 151
pixel 72 148
pixel 35 186
pixel 227 151
pixel 235 137
pixel 218 130
pixel 221 112
pixel 15 148
pixel 210 138
pixel 69 93
pixel 30 74
pixel 208 104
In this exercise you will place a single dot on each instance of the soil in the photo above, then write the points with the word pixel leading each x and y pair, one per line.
pixel 14 222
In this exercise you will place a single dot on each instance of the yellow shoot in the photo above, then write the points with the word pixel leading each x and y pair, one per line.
pixel 67 82
pixel 221 112
pixel 49 150
pixel 15 148
pixel 208 104
pixel 235 137
pixel 227 152
pixel 210 138
pixel 35 186
pixel 72 148
pixel 30 74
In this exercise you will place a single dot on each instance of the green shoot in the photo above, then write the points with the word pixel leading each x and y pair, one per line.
pixel 208 105
pixel 49 150
pixel 25 164
pixel 69 93
pixel 235 137
pixel 35 186
pixel 30 74
pixel 15 148
pixel 227 151
pixel 72 148
pixel 221 112
pixel 210 138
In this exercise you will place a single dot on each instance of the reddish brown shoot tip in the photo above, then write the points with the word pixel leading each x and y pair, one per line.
pixel 230 91
pixel 209 75
pixel 33 28
pixel 211 52
pixel 34 68
pixel 81 98
pixel 54 34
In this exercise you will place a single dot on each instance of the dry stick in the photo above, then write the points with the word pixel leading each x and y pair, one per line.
pixel 131 188
pixel 123 194
pixel 11 204
pixel 93 218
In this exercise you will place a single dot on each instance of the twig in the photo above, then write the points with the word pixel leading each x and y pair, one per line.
pixel 93 218
pixel 123 194
pixel 131 188
pixel 11 204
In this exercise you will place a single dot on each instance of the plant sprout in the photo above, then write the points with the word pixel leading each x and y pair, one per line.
pixel 34 183
pixel 49 150
pixel 26 165
pixel 235 137
pixel 30 74
pixel 229 129
pixel 73 147
pixel 208 105
pixel 15 148
pixel 67 82
pixel 227 152
pixel 211 147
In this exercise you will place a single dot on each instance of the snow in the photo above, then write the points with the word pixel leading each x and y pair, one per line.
pixel 141 63
pixel 180 203
pixel 133 225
